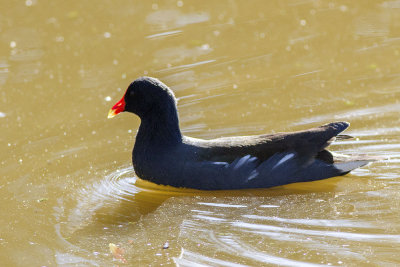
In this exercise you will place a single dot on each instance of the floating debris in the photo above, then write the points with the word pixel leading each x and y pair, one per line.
pixel 166 245
pixel 117 252
pixel 42 199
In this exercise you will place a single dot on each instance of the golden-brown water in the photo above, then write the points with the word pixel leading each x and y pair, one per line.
pixel 238 67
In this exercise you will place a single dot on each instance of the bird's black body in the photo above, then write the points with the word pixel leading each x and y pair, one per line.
pixel 164 156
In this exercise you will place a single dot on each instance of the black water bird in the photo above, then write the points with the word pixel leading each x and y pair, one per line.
pixel 163 155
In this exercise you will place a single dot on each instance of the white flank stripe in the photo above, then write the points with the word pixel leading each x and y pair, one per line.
pixel 285 158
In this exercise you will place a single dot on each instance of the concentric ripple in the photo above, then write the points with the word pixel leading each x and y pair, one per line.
pixel 120 197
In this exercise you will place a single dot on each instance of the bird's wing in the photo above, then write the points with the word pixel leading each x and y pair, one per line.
pixel 308 144
pixel 266 160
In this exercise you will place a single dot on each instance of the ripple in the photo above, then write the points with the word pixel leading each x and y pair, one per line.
pixel 224 230
pixel 27 55
pixel 353 114
pixel 177 54
pixel 189 258
pixel 186 66
pixel 119 198
pixel 230 245
pixel 372 24
pixel 168 19
pixel 222 205
pixel 313 222
pixel 163 34
pixel 116 186
pixel 272 230
pixel 4 71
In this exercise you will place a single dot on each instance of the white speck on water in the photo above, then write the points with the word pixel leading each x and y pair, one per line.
pixel 93 132
pixel 28 2
pixel 123 76
pixel 205 46
pixel 154 6
pixel 59 39
pixel 303 22
pixel 343 8
pixel 2 114
pixel 129 131
pixel 20 160
pixel 107 98
pixel 13 44
pixel 9 144
pixel 179 3
pixel 115 62
pixel 107 35
pixel 235 86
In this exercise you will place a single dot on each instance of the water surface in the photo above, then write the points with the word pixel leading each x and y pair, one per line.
pixel 68 188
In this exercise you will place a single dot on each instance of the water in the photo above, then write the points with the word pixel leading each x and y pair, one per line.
pixel 68 188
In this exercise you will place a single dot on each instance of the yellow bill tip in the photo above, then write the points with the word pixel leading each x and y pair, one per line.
pixel 111 114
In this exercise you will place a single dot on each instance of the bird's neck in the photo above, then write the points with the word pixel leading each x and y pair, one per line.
pixel 159 129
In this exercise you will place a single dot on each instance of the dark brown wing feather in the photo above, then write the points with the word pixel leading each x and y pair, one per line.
pixel 307 143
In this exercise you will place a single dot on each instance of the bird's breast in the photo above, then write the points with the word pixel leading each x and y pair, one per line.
pixel 161 167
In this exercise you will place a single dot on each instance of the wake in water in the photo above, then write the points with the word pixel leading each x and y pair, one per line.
pixel 113 200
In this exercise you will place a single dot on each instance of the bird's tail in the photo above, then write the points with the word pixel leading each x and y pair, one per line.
pixel 346 167
pixel 345 163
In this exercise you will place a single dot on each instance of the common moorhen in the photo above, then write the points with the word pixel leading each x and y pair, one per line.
pixel 164 156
